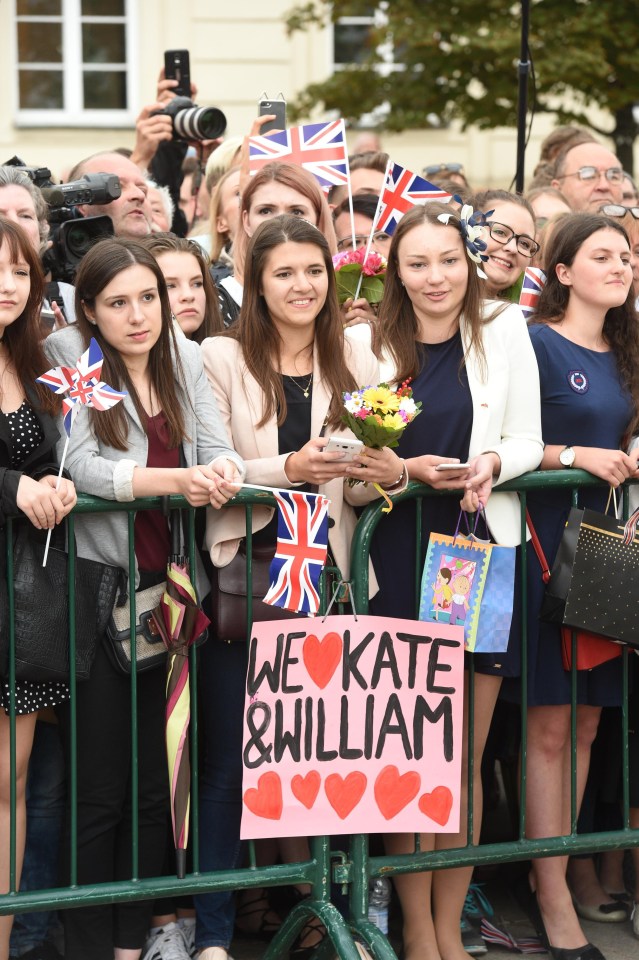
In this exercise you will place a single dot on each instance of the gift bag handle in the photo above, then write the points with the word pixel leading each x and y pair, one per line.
pixel 539 550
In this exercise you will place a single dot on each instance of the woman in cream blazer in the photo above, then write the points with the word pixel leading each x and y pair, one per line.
pixel 278 376
pixel 474 369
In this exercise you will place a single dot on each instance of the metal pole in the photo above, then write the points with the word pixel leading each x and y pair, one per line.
pixel 523 69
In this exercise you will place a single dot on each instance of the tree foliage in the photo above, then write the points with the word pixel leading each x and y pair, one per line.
pixel 459 61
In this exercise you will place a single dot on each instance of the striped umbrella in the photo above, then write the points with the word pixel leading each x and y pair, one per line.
pixel 180 621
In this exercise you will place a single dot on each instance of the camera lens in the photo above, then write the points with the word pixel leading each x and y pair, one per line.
pixel 199 123
pixel 78 239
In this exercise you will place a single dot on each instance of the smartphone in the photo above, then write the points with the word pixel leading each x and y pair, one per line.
pixel 350 448
pixel 452 466
pixel 177 67
pixel 59 302
pixel 47 318
pixel 277 107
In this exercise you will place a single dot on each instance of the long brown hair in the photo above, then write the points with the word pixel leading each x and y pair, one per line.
pixel 22 338
pixel 620 328
pixel 396 334
pixel 297 178
pixel 159 243
pixel 258 336
pixel 104 261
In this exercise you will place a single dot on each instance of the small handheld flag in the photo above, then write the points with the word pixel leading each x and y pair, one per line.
pixel 318 147
pixel 402 191
pixel 82 387
pixel 300 555
pixel 533 283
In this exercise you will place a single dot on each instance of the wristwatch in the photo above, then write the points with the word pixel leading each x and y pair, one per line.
pixel 567 457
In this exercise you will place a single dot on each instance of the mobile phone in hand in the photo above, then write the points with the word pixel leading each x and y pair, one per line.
pixel 350 448
pixel 177 67
pixel 276 107
pixel 452 466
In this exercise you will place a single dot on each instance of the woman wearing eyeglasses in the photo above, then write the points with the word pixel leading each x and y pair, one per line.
pixel 359 311
pixel 511 243
pixel 629 219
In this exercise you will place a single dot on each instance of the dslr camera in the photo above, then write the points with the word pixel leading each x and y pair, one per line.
pixel 191 122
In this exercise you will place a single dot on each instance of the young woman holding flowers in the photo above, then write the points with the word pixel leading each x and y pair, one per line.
pixel 474 371
pixel 278 376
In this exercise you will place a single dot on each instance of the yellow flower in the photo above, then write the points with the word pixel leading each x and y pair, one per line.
pixel 381 399
pixel 393 421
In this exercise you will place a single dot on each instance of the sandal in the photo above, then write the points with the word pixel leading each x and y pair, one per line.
pixel 256 919
pixel 301 950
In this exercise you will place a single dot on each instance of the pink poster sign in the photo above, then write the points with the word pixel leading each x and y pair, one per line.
pixel 352 726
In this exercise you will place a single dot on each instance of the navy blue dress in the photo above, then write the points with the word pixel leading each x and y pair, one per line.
pixel 583 403
pixel 442 428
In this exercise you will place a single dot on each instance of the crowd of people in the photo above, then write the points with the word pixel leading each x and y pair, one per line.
pixel 215 306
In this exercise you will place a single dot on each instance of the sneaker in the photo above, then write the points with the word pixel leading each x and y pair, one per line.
pixel 477 904
pixel 168 944
pixel 188 932
pixel 472 940
pixel 634 919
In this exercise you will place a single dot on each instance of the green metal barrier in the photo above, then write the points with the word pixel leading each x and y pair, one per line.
pixel 352 868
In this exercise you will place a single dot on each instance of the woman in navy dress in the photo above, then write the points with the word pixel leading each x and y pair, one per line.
pixel 475 372
pixel 586 339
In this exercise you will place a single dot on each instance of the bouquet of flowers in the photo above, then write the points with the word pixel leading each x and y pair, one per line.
pixel 378 417
pixel 350 266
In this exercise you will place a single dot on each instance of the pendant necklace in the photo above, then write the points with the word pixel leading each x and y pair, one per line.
pixel 305 390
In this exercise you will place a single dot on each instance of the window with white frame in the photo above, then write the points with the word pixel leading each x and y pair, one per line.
pixel 353 39
pixel 72 62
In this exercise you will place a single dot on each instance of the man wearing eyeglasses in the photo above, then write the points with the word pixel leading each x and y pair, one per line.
pixel 589 175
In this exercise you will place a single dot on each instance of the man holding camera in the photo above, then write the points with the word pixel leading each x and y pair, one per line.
pixel 129 213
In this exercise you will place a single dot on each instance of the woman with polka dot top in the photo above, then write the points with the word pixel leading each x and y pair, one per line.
pixel 28 475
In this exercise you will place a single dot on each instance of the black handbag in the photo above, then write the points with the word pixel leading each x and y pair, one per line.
pixel 593 584
pixel 150 651
pixel 41 608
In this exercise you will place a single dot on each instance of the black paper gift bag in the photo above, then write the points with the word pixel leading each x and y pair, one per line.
pixel 594 583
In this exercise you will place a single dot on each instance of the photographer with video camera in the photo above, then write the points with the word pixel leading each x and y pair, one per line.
pixel 128 211
pixel 166 129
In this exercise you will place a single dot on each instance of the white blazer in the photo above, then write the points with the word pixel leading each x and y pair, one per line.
pixel 506 408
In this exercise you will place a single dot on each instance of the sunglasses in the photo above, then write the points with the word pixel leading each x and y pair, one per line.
pixel 618 210
pixel 442 168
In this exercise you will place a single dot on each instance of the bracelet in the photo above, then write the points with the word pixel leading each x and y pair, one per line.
pixel 399 480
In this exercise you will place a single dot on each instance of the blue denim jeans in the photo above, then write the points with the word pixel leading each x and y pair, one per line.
pixel 222 681
pixel 45 814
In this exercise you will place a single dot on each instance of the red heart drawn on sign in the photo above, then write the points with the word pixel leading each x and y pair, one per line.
pixel 322 656
pixel 305 789
pixel 393 792
pixel 265 800
pixel 344 793
pixel 437 805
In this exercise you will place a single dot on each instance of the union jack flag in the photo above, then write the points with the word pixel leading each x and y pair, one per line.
pixel 302 541
pixel 402 190
pixel 318 147
pixel 533 283
pixel 82 386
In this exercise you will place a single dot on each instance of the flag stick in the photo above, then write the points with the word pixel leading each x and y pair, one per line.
pixel 371 234
pixel 258 486
pixel 349 187
pixel 57 486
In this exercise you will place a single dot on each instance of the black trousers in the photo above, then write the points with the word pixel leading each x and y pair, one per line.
pixel 104 752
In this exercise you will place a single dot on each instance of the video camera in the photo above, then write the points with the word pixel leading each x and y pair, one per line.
pixel 191 122
pixel 71 234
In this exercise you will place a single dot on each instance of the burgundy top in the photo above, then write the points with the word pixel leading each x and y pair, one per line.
pixel 152 540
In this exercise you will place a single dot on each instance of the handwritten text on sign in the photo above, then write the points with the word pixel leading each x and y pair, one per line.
pixel 352 726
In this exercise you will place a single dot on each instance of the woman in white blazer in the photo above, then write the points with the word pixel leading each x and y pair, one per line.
pixel 473 368
pixel 278 376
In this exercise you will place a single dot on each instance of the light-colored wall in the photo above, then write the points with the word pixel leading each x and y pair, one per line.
pixel 238 50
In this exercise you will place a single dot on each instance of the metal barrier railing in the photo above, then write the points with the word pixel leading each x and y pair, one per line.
pixel 352 868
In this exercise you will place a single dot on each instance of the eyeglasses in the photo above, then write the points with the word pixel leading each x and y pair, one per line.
pixel 442 167
pixel 612 174
pixel 618 210
pixel 361 240
pixel 503 234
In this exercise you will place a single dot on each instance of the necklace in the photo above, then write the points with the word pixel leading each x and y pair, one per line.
pixel 305 390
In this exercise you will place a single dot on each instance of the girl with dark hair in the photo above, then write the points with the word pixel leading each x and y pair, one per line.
pixel 510 235
pixel 474 370
pixel 278 376
pixel 586 340
pixel 191 290
pixel 28 477
pixel 165 437
pixel 278 188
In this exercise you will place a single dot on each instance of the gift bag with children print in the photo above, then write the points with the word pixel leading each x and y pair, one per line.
pixel 468 580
